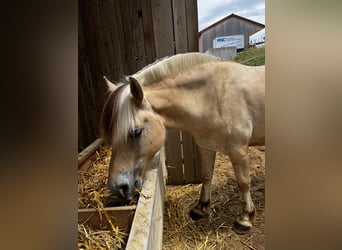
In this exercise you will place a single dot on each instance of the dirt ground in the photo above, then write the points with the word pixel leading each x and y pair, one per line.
pixel 215 232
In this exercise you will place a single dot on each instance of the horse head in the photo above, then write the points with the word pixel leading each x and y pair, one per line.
pixel 134 131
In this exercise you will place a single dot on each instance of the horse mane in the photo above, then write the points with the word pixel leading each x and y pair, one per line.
pixel 119 112
pixel 118 116
pixel 162 68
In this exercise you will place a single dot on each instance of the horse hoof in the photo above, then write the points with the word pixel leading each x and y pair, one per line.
pixel 240 229
pixel 195 216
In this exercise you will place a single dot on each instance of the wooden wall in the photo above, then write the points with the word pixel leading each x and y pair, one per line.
pixel 119 37
pixel 234 25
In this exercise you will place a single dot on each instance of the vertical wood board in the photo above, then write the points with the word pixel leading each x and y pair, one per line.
pixel 148 25
pixel 138 41
pixel 189 157
pixel 174 159
pixel 180 26
pixel 192 25
pixel 163 27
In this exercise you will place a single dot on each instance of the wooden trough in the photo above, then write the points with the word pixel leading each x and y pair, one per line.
pixel 142 222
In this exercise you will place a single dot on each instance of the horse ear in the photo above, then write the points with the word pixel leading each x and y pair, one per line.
pixel 111 86
pixel 136 90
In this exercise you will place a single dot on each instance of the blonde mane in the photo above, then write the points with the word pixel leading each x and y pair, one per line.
pixel 119 112
pixel 166 66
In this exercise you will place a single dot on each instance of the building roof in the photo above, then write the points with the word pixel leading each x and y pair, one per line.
pixel 230 16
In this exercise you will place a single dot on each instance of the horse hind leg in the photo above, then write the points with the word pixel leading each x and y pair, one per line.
pixel 240 161
pixel 201 209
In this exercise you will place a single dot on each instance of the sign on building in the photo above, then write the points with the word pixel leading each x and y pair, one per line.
pixel 227 41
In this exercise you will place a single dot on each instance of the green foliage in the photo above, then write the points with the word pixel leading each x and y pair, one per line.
pixel 251 57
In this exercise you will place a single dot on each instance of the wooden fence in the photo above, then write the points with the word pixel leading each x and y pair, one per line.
pixel 119 37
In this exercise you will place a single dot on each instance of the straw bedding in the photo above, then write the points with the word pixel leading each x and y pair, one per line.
pixel 215 232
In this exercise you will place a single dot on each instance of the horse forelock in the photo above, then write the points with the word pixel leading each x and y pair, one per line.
pixel 118 116
pixel 162 68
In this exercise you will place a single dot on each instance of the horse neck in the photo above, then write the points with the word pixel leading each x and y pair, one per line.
pixel 175 99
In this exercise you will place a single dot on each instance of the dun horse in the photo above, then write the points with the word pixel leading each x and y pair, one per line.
pixel 220 103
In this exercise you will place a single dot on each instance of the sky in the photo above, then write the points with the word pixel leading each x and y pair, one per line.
pixel 210 11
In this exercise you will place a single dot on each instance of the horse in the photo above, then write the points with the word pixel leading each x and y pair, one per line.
pixel 221 103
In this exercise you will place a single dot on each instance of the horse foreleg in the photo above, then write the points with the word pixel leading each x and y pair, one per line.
pixel 240 161
pixel 201 209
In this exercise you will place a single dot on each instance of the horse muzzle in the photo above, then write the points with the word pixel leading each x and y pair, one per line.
pixel 126 185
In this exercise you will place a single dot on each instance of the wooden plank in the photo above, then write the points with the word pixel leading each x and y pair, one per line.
pixel 197 163
pixel 120 216
pixel 86 103
pixel 128 36
pixel 150 50
pixel 192 160
pixel 138 34
pixel 163 27
pixel 156 234
pixel 136 37
pixel 121 38
pixel 164 46
pixel 189 157
pixel 111 48
pixel 180 26
pixel 147 225
pixel 88 152
pixel 174 159
pixel 186 28
pixel 192 25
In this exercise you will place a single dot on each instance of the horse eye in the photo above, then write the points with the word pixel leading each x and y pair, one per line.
pixel 136 132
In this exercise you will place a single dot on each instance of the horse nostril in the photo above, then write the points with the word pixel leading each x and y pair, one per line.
pixel 138 183
pixel 123 189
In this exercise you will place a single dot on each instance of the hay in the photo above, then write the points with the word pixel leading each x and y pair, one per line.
pixel 93 192
pixel 215 232
pixel 94 178
pixel 181 232
pixel 88 238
